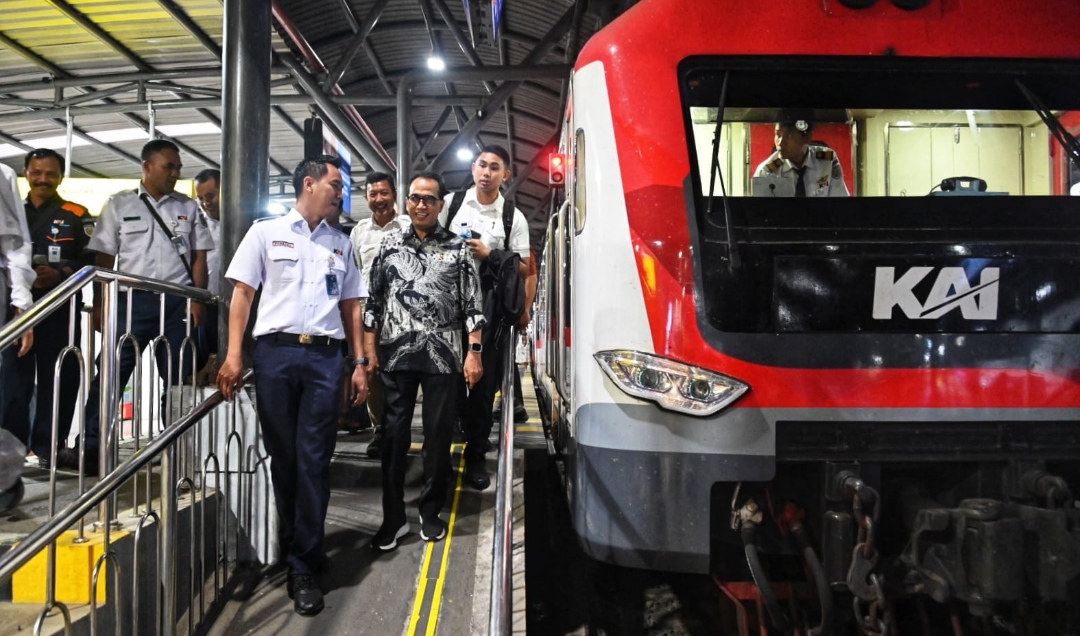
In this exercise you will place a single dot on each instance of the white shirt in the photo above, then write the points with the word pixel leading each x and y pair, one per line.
pixel 823 177
pixel 213 255
pixel 366 238
pixel 292 263
pixel 128 231
pixel 486 221
pixel 15 248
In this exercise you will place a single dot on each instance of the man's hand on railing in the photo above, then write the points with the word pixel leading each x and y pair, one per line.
pixel 229 377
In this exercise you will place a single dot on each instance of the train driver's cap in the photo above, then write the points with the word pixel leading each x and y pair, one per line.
pixel 802 119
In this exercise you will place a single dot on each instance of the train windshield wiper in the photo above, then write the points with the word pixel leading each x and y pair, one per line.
pixel 714 171
pixel 1068 142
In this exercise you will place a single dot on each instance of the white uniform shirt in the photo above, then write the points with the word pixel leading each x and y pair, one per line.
pixel 486 221
pixel 213 255
pixel 823 177
pixel 366 238
pixel 15 241
pixel 292 263
pixel 128 231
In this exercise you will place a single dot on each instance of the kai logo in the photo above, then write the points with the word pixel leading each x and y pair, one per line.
pixel 951 290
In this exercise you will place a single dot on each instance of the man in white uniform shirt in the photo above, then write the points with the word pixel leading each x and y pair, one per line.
pixel 208 191
pixel 151 231
pixel 15 251
pixel 366 237
pixel 479 212
pixel 803 168
pixel 310 302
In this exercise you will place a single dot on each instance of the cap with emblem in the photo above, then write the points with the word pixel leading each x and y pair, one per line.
pixel 801 118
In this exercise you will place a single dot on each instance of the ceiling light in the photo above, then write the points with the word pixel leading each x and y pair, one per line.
pixel 275 209
pixel 436 63
pixel 464 154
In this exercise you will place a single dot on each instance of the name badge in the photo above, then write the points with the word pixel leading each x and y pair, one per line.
pixel 332 285
pixel 178 243
pixel 54 253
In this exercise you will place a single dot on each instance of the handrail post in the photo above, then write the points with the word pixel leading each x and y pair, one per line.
pixel 502 572
pixel 110 292
pixel 167 568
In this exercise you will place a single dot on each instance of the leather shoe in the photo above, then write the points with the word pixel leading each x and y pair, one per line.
pixel 374 448
pixel 309 598
pixel 68 459
pixel 476 474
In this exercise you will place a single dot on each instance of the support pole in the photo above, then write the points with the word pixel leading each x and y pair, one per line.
pixel 245 139
pixel 67 143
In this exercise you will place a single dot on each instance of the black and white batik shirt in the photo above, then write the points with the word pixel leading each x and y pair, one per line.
pixel 424 297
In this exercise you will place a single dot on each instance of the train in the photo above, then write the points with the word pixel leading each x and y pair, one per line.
pixel 867 405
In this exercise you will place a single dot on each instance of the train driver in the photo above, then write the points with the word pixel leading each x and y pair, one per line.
pixel 814 169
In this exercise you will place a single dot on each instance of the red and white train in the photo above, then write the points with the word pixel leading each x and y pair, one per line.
pixel 884 387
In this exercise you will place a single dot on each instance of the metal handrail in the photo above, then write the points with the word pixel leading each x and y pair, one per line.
pixel 52 529
pixel 22 323
pixel 502 570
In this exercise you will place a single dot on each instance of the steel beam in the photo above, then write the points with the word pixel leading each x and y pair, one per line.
pixel 507 88
pixel 411 79
pixel 63 80
pixel 362 31
pixel 191 27
pixel 101 34
pixel 537 158
pixel 463 42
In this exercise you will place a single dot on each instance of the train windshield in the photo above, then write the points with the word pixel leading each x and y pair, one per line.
pixel 886 128
pixel 882 195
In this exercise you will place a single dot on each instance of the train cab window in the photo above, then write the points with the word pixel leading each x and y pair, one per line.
pixel 879 128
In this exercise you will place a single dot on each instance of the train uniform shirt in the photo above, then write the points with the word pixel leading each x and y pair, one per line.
pixel 14 243
pixel 304 274
pixel 823 177
pixel 128 231
pixel 60 231
pixel 486 223
pixel 423 292
pixel 367 236
pixel 213 253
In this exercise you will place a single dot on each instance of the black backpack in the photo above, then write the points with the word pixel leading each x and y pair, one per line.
pixel 503 287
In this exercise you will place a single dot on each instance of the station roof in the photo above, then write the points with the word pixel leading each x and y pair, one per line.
pixel 120 67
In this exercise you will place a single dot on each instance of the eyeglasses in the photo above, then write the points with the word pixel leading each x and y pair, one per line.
pixel 426 199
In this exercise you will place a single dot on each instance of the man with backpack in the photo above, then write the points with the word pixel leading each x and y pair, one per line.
pixel 497 234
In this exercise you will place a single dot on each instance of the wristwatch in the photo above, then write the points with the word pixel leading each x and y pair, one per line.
pixel 475 347
pixel 361 361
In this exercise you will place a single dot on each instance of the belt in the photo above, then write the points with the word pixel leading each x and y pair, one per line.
pixel 302 339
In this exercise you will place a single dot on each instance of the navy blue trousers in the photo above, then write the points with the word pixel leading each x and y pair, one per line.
pixel 297 389
pixel 480 403
pixel 439 408
pixel 145 313
pixel 17 380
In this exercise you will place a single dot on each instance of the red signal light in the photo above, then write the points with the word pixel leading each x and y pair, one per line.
pixel 556 169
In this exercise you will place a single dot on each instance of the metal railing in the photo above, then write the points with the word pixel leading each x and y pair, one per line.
pixel 502 571
pixel 189 462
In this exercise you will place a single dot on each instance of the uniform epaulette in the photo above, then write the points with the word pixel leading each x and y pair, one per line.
pixel 775 164
pixel 74 208
pixel 265 218
pixel 824 154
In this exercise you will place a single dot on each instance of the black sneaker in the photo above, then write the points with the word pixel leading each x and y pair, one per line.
pixel 309 598
pixel 68 459
pixel 476 474
pixel 432 529
pixel 374 448
pixel 386 539
pixel 521 416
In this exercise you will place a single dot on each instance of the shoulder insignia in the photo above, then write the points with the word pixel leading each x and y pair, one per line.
pixel 88 229
pixel 825 155
pixel 265 218
pixel 836 172
pixel 775 164
pixel 74 208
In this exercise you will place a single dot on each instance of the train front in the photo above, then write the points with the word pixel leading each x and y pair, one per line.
pixel 865 344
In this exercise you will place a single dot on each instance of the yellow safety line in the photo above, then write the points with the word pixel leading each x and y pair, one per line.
pixel 421 589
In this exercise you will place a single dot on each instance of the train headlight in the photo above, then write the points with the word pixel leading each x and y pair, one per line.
pixel 672 385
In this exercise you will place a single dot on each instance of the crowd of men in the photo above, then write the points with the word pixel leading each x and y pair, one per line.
pixel 406 303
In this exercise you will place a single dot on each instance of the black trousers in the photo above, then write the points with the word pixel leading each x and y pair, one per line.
pixel 476 415
pixel 438 410
pixel 17 381
pixel 296 394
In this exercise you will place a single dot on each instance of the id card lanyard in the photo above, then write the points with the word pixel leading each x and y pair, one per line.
pixel 177 242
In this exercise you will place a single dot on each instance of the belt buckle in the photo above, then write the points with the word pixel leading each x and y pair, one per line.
pixel 306 338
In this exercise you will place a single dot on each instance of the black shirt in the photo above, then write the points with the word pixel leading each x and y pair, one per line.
pixel 423 297
pixel 60 231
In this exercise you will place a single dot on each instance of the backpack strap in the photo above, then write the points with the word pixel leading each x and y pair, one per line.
pixel 455 205
pixel 508 221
